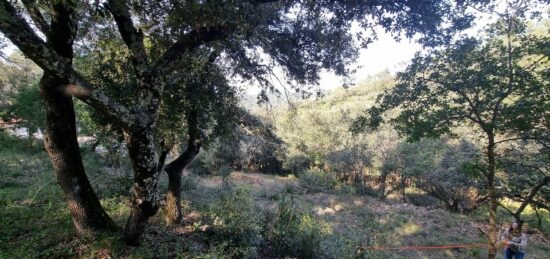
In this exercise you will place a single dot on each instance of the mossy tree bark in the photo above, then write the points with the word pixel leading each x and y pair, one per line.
pixel 145 203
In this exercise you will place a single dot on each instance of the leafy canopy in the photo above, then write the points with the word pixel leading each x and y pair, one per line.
pixel 470 83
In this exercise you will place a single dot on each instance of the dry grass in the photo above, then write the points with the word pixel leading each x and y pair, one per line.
pixel 368 221
pixel 362 221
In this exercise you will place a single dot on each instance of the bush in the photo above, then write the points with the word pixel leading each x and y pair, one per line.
pixel 296 163
pixel 236 230
pixel 316 180
pixel 111 173
pixel 294 233
pixel 455 181
pixel 422 199
pixel 349 164
pixel 189 182
pixel 347 188
pixel 206 163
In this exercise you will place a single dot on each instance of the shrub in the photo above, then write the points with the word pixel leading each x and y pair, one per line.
pixel 316 180
pixel 422 199
pixel 455 181
pixel 347 188
pixel 251 146
pixel 236 230
pixel 111 173
pixel 294 233
pixel 296 163
pixel 349 163
pixel 189 182
pixel 206 163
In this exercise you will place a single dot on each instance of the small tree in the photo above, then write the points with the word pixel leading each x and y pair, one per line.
pixel 495 85
pixel 455 181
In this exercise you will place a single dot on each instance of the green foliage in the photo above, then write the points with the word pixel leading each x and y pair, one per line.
pixel 205 163
pixel 189 182
pixel 198 98
pixel 33 231
pixel 316 133
pixel 252 146
pixel 495 85
pixel 526 164
pixel 350 163
pixel 235 223
pixel 296 163
pixel 456 179
pixel 20 94
pixel 435 97
pixel 316 180
pixel 23 165
pixel 111 170
pixel 34 218
pixel 294 233
pixel 27 106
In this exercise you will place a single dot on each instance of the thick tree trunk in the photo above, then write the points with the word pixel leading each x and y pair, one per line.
pixel 60 138
pixel 175 170
pixel 493 203
pixel 62 147
pixel 141 150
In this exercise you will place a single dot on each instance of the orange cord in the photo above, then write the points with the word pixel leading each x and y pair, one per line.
pixel 424 247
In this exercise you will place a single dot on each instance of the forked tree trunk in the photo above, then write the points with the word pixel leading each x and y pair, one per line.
pixel 145 202
pixel 60 139
pixel 175 171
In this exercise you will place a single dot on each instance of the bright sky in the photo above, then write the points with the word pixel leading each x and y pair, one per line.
pixel 385 53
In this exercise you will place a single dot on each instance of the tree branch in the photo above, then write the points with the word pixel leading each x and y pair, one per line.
pixel 542 205
pixel 532 193
pixel 15 28
pixel 36 16
pixel 132 37
pixel 536 62
pixel 512 139
pixel 187 43
pixel 479 202
pixel 504 207
pixel 87 93
pixel 473 107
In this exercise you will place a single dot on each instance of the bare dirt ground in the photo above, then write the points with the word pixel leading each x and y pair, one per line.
pixel 368 221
